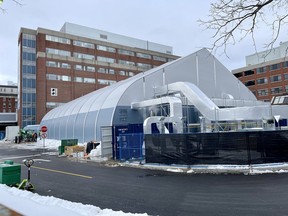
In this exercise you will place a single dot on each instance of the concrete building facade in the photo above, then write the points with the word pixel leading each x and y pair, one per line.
pixel 266 73
pixel 56 67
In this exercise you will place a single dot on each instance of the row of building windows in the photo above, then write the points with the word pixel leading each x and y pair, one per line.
pixel 9 105
pixel 88 68
pixel 5 111
pixel 79 79
pixel 273 91
pixel 264 80
pixel 105 48
pixel 263 69
pixel 8 90
pixel 92 57
pixel 58 64
pixel 58 39
pixel 52 105
pixel 4 99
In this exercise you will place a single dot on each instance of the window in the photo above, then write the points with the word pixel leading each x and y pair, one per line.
pixel 65 65
pixel 29 40
pixel 105 59
pixel 263 92
pixel 29 56
pixel 58 64
pixel 126 62
pixel 238 74
pixel 262 81
pixel 143 55
pixel 65 78
pixel 126 52
pixel 106 82
pixel 106 70
pixel 144 66
pixel 83 56
pixel 57 52
pixel 285 64
pixel 102 36
pixel 123 73
pixel 101 70
pixel 84 68
pixel 276 90
pixel 275 67
pixel 286 88
pixel 106 48
pixel 250 83
pixel 57 39
pixel 276 78
pixel 158 58
pixel 285 76
pixel 78 79
pixel 248 73
pixel 52 105
pixel 88 80
pixel 83 44
pixel 58 77
pixel 261 70
pixel 78 67
pixel 90 68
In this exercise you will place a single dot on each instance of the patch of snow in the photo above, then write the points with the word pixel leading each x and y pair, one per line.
pixel 32 204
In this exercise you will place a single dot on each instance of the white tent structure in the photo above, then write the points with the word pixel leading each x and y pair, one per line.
pixel 197 80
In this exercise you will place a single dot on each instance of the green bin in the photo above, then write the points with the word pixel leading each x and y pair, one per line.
pixel 69 142
pixel 10 174
pixel 61 149
pixel 66 142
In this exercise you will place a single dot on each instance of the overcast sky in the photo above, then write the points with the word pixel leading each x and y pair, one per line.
pixel 168 22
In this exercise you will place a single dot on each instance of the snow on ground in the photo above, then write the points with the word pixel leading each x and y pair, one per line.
pixel 44 205
pixel 32 204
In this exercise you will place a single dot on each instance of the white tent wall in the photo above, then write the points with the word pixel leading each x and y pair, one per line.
pixel 83 118
pixel 206 72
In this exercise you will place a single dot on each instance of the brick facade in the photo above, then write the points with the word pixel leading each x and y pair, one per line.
pixel 265 80
pixel 71 83
pixel 8 99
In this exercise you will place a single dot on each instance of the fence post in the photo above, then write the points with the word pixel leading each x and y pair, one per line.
pixel 248 151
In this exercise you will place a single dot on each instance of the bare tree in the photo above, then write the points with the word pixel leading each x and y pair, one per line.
pixel 5 10
pixel 234 20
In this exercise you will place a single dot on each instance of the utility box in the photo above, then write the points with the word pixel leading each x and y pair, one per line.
pixel 10 173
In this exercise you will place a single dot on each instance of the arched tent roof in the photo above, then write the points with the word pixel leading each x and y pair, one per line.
pixel 83 117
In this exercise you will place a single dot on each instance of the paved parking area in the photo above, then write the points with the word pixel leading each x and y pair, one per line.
pixel 152 191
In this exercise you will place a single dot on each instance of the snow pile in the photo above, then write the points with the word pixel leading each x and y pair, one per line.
pixel 32 204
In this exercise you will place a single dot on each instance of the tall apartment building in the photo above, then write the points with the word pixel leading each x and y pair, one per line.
pixel 59 66
pixel 8 105
pixel 266 73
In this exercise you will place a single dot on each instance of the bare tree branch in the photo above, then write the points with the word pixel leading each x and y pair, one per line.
pixel 232 21
pixel 3 10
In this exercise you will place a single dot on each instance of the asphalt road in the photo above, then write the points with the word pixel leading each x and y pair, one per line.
pixel 154 192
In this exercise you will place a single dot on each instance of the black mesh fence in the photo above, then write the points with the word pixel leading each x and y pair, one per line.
pixel 250 147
